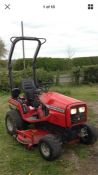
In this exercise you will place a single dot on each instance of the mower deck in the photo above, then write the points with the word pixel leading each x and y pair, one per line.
pixel 30 137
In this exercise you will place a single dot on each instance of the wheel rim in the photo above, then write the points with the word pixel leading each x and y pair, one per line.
pixel 9 125
pixel 45 149
pixel 84 134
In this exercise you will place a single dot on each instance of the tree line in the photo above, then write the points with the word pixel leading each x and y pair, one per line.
pixel 53 64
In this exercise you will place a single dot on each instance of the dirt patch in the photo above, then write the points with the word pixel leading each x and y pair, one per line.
pixel 89 166
pixel 85 166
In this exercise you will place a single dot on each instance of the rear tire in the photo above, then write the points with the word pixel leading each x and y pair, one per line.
pixel 13 121
pixel 91 134
pixel 50 147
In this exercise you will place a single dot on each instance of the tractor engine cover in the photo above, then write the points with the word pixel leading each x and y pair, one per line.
pixel 59 108
pixel 56 101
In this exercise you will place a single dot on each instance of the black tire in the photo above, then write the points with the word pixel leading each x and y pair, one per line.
pixel 52 145
pixel 13 121
pixel 92 134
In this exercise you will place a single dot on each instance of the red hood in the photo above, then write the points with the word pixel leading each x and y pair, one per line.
pixel 57 100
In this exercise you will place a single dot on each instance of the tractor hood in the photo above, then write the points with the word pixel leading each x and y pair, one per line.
pixel 55 100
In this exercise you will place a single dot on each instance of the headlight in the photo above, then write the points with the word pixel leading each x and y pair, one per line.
pixel 82 109
pixel 73 111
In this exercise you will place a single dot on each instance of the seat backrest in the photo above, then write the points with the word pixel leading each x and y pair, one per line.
pixel 28 89
pixel 28 84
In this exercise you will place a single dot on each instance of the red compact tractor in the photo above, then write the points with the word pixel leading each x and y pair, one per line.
pixel 48 119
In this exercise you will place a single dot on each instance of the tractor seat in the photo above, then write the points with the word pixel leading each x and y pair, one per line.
pixel 29 90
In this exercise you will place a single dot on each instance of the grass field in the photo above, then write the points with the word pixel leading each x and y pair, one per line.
pixel 16 160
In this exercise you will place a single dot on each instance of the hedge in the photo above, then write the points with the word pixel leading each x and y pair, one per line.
pixel 48 64
pixel 85 61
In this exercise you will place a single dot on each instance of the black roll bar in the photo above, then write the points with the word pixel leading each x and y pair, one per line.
pixel 14 40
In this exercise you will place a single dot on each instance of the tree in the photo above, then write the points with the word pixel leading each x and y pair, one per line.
pixel 70 52
pixel 3 50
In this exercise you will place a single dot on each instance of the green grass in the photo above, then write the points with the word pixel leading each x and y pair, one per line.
pixel 82 92
pixel 16 160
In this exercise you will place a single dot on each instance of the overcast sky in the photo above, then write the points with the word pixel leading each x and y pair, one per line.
pixel 69 24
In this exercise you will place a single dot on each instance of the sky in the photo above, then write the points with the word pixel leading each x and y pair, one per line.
pixel 68 26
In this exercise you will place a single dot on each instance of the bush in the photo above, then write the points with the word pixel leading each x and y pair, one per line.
pixel 3 64
pixel 18 64
pixel 90 74
pixel 76 74
pixel 44 76
pixel 4 84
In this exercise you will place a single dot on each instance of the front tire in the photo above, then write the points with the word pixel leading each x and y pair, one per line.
pixel 50 147
pixel 13 121
pixel 89 134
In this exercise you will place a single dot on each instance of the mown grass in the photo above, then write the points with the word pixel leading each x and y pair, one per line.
pixel 16 160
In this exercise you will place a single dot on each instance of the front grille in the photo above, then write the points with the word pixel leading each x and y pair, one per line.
pixel 76 118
